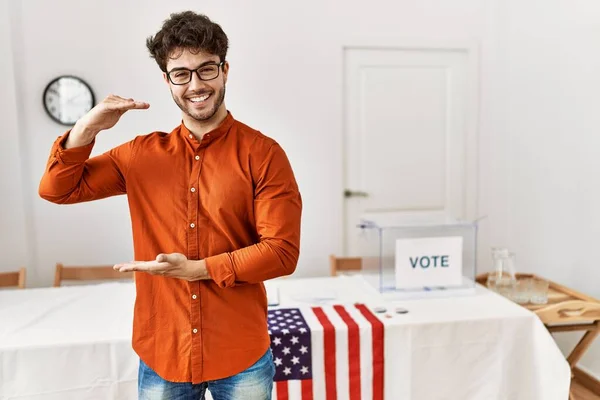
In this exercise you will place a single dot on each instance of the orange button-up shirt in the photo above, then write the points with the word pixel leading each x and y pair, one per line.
pixel 231 200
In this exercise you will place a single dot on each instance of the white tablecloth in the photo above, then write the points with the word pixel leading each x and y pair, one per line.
pixel 68 343
pixel 75 343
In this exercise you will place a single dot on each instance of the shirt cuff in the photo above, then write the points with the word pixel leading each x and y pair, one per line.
pixel 220 270
pixel 75 155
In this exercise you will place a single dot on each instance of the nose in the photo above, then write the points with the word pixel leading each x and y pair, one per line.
pixel 196 83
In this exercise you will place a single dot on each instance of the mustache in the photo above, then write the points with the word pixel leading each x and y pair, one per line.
pixel 199 93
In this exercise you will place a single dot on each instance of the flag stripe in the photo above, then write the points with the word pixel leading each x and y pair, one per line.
pixel 307 389
pixel 318 354
pixel 377 329
pixel 341 353
pixel 345 357
pixel 294 389
pixel 282 390
pixel 353 353
pixel 330 354
pixel 366 352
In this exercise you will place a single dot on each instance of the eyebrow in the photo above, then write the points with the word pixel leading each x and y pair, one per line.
pixel 200 66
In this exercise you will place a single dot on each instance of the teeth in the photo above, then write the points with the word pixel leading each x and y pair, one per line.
pixel 199 99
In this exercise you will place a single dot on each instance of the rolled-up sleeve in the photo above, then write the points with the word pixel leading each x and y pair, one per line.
pixel 71 176
pixel 277 209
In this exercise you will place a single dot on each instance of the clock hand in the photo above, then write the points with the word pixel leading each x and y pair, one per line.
pixel 71 99
pixel 79 93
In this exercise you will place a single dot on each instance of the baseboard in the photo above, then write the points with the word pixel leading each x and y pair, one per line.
pixel 588 381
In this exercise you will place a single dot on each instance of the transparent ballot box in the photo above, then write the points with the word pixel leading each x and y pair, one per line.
pixel 428 259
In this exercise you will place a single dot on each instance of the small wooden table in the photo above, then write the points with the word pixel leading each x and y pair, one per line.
pixel 567 310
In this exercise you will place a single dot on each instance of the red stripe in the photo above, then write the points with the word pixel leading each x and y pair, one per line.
pixel 377 329
pixel 282 390
pixel 353 352
pixel 307 389
pixel 329 353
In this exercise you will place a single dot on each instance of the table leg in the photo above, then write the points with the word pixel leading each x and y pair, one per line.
pixel 583 345
pixel 580 349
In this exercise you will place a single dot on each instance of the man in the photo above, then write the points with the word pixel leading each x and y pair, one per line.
pixel 215 211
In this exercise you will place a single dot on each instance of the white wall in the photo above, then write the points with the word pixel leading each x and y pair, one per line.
pixel 539 76
pixel 552 124
pixel 13 221
pixel 285 80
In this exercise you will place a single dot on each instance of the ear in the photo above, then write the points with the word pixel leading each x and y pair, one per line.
pixel 166 78
pixel 225 71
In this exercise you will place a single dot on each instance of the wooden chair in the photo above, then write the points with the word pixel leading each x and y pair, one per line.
pixel 88 273
pixel 13 279
pixel 344 264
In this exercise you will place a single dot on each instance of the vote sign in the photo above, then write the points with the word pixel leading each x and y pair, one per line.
pixel 429 262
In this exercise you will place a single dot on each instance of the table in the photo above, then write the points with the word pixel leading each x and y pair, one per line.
pixel 70 342
pixel 468 347
pixel 472 347
pixel 567 310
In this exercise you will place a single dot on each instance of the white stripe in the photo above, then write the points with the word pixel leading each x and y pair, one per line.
pixel 366 353
pixel 274 392
pixel 341 349
pixel 294 390
pixel 317 345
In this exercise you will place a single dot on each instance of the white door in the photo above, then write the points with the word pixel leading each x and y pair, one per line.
pixel 410 136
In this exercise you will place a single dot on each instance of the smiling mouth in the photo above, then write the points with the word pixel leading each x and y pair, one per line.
pixel 199 99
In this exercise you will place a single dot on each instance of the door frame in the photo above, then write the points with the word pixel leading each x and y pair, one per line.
pixel 472 103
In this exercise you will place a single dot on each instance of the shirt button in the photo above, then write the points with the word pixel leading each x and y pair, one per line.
pixel 195 330
pixel 191 136
pixel 194 296
pixel 197 158
pixel 193 190
pixel 192 225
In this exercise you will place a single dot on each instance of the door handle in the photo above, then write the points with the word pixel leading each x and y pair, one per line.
pixel 354 193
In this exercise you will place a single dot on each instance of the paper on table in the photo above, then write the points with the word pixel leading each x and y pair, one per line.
pixel 316 295
pixel 284 291
pixel 272 294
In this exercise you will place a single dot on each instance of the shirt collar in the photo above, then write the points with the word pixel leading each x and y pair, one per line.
pixel 210 136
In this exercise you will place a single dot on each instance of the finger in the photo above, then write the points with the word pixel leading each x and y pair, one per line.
pixel 150 266
pixel 130 263
pixel 126 107
pixel 127 267
pixel 118 98
pixel 158 267
pixel 116 267
pixel 168 258
pixel 140 105
pixel 132 266
pixel 118 103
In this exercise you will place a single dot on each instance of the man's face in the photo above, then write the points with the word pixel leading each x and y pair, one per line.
pixel 200 99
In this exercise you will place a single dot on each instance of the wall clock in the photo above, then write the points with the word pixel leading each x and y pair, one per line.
pixel 68 98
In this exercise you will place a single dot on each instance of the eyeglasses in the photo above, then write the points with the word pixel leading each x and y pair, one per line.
pixel 206 72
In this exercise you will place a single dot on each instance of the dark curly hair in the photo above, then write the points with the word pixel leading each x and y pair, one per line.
pixel 190 31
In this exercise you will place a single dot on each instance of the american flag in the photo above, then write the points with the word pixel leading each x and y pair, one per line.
pixel 329 353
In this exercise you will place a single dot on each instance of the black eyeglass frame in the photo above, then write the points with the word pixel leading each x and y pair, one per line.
pixel 191 71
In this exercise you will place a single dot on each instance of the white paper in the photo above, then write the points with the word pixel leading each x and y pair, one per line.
pixel 429 262
pixel 272 293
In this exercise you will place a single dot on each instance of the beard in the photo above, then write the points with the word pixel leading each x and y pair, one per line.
pixel 206 114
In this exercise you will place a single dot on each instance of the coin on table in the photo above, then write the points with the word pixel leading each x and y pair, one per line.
pixel 400 310
pixel 379 310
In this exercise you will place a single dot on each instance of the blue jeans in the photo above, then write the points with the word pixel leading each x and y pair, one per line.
pixel 255 383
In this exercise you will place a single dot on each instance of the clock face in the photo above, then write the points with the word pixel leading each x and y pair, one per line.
pixel 67 98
